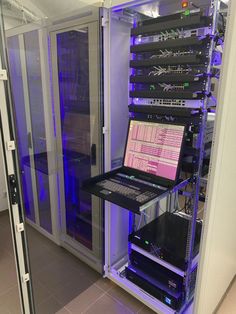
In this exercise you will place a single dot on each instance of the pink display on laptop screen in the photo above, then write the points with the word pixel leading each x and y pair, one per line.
pixel 154 148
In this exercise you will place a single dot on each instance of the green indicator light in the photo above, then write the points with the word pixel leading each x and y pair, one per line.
pixel 186 84
pixel 187 12
pixel 146 242
pixel 152 87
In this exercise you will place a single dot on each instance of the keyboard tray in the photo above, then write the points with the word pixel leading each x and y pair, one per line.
pixel 93 186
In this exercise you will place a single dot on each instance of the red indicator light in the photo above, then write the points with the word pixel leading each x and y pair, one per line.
pixel 184 4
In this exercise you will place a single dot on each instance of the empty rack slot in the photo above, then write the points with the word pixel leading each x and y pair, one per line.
pixel 167 95
pixel 193 59
pixel 178 112
pixel 171 43
pixel 192 21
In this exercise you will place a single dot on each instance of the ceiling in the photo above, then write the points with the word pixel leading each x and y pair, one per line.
pixel 59 7
pixel 32 10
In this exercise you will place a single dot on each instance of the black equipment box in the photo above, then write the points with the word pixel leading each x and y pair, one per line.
pixel 166 238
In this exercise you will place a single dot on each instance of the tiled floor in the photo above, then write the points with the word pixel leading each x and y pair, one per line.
pixel 61 282
pixel 9 299
pixel 228 305
pixel 58 277
pixel 64 285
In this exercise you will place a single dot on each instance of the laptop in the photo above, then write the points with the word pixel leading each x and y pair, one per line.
pixel 150 168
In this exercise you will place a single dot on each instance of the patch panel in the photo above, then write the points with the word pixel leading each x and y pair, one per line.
pixel 177 34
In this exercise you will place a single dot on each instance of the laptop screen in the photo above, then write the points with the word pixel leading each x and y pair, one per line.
pixel 154 148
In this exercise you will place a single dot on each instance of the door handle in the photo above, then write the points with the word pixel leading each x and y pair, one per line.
pixel 93 154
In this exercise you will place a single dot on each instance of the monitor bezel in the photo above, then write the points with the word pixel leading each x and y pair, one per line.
pixel 148 176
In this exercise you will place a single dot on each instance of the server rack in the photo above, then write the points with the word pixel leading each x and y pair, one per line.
pixel 115 270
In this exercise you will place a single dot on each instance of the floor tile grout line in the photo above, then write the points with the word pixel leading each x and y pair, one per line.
pixel 95 301
pixel 67 310
pixel 86 309
pixel 119 302
pixel 102 288
pixel 114 298
pixel 65 306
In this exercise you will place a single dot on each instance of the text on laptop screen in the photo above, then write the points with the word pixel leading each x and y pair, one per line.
pixel 154 148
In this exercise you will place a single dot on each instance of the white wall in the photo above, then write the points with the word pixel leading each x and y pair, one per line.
pixel 218 262
pixel 59 7
pixel 10 23
pixel 3 196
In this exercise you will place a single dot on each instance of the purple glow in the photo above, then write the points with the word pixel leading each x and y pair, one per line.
pixel 21 128
pixel 38 127
pixel 132 70
pixel 51 86
pixel 73 74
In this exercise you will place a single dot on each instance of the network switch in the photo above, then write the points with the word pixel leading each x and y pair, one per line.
pixel 180 103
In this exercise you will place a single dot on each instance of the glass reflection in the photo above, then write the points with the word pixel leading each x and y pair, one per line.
pixel 73 71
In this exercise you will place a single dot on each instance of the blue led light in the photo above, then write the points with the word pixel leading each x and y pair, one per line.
pixel 168 301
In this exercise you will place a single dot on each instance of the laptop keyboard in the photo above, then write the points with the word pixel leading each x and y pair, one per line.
pixel 132 193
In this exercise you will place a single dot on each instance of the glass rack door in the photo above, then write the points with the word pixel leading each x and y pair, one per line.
pixel 21 124
pixel 75 60
pixel 26 65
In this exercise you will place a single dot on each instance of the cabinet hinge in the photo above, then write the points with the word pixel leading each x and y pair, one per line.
pixel 104 130
pixel 3 75
pixel 20 227
pixel 104 21
pixel 11 145
pixel 25 278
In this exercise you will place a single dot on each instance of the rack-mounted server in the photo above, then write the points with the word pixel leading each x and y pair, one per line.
pixel 165 237
pixel 167 95
pixel 167 78
pixel 187 43
pixel 194 59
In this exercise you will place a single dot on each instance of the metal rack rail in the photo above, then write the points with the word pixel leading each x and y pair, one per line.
pixel 214 8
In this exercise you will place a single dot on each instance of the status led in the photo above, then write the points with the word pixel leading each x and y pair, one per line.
pixel 187 12
pixel 184 4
